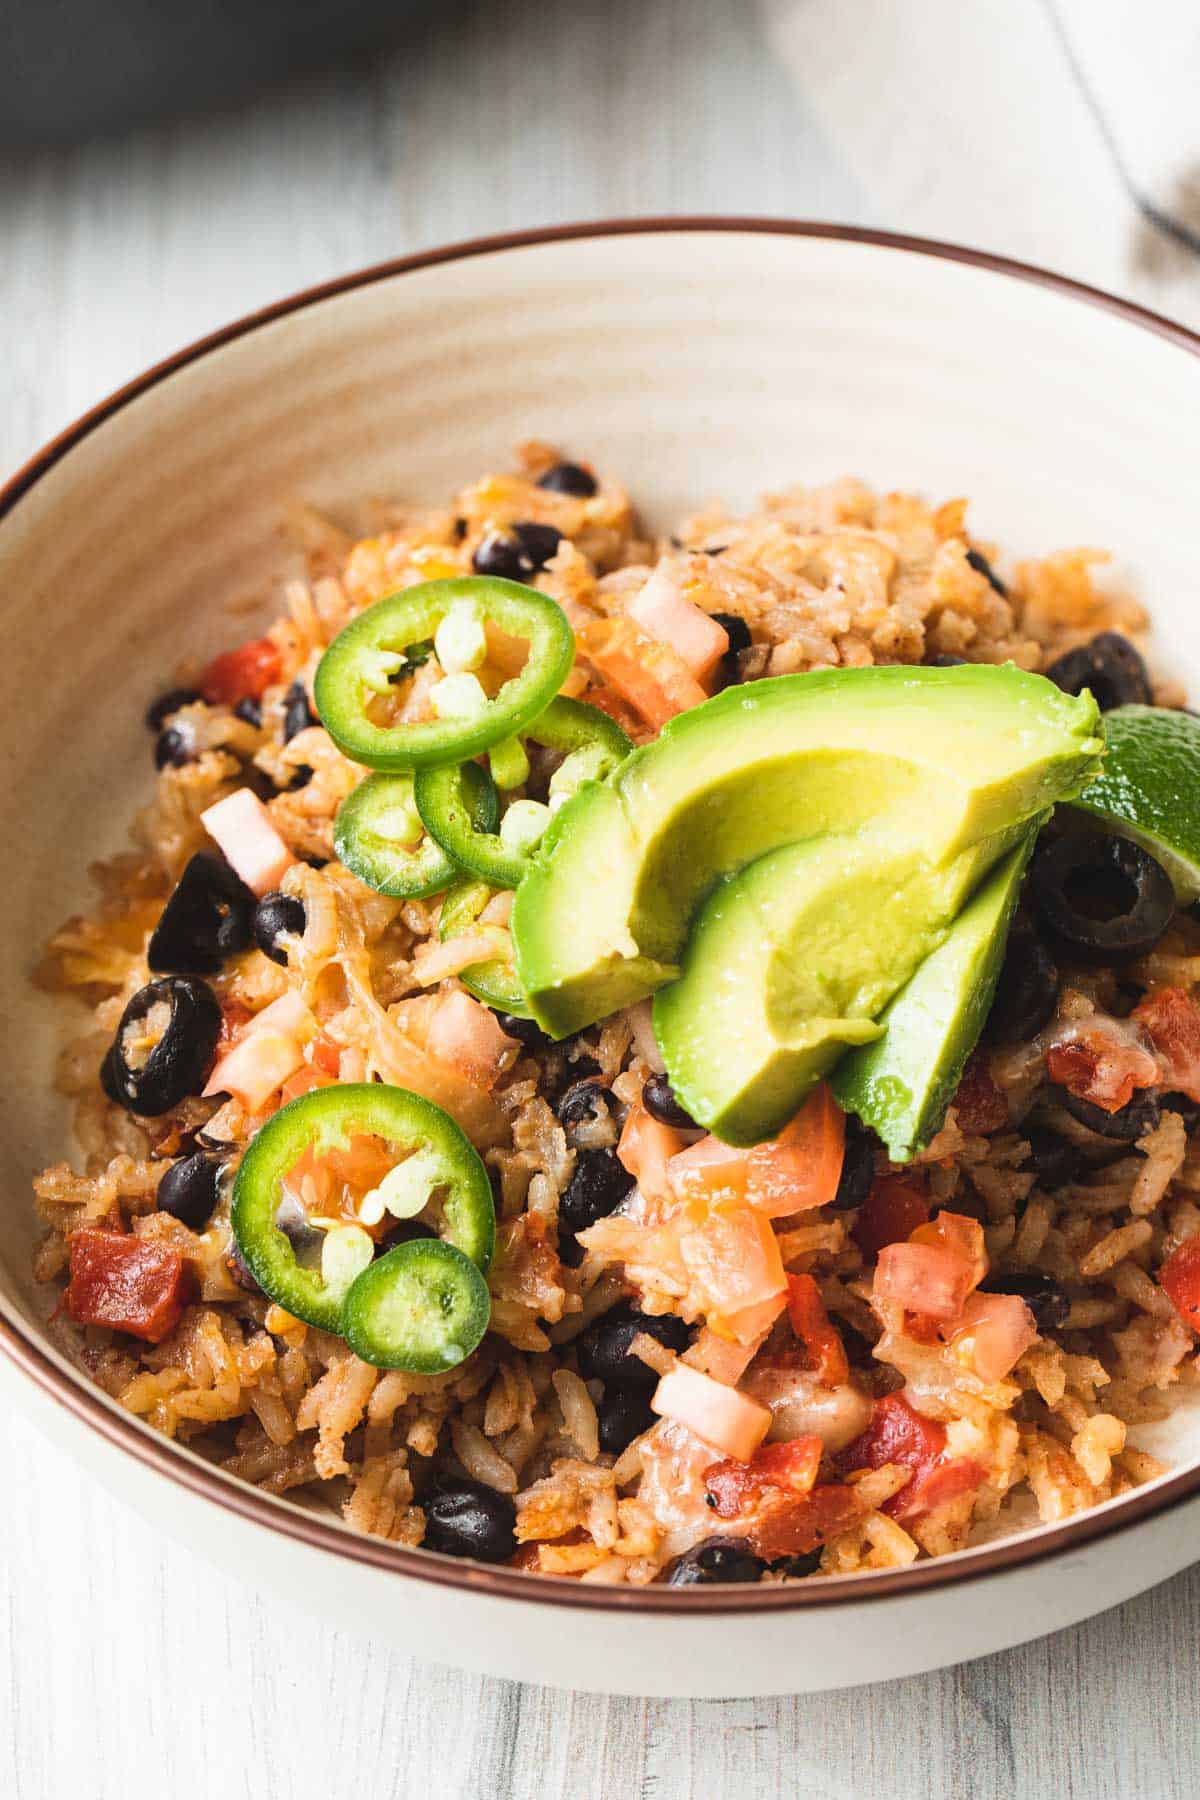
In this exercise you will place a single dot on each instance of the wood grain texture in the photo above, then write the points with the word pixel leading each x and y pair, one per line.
pixel 127 1666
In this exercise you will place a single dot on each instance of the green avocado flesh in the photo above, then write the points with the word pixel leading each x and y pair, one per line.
pixel 901 1084
pixel 941 759
pixel 791 962
pixel 1148 787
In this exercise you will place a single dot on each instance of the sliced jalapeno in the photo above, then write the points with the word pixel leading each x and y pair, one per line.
pixel 422 1307
pixel 593 745
pixel 436 1167
pixel 494 982
pixel 355 674
pixel 379 836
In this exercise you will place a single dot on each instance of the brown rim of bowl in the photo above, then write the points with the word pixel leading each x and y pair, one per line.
pixel 88 1405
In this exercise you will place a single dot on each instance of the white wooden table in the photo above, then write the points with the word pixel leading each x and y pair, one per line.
pixel 128 1667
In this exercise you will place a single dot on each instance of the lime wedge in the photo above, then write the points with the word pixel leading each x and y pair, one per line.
pixel 1148 788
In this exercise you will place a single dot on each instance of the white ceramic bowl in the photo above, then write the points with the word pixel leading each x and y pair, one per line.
pixel 698 359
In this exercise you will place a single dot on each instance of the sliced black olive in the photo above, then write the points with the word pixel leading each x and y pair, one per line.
pixel 277 915
pixel 569 478
pixel 623 1414
pixel 660 1102
pixel 189 1190
pixel 249 711
pixel 982 566
pixel 298 715
pixel 518 552
pixel 858 1163
pixel 468 1519
pixel 1109 666
pixel 173 748
pixel 604 1347
pixel 716 1560
pixel 596 1188
pixel 161 709
pixel 1125 1125
pixel 1041 1294
pixel 526 1032
pixel 1104 898
pixel 181 1058
pixel 206 920
pixel 1027 991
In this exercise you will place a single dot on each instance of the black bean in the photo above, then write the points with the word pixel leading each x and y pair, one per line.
pixel 189 1190
pixel 249 712
pixel 569 478
pixel 982 566
pixel 298 715
pixel 468 1519
pixel 1109 666
pixel 735 629
pixel 583 1103
pixel 275 915
pixel 301 778
pixel 716 1560
pixel 1056 1159
pixel 604 1347
pixel 1104 898
pixel 623 1414
pixel 526 1032
pixel 1123 1126
pixel 172 749
pixel 206 920
pixel 942 659
pixel 596 1188
pixel 858 1164
pixel 660 1102
pixel 1027 991
pixel 1183 1104
pixel 1041 1294
pixel 796 1566
pixel 517 553
pixel 180 1060
pixel 161 709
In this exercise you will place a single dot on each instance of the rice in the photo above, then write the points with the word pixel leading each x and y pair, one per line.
pixel 836 576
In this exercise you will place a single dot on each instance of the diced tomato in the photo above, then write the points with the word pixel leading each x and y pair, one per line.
pixel 734 1262
pixel 927 1278
pixel 898 1433
pixel 615 707
pixel 997 1329
pixel 327 1057
pixel 645 1149
pixel 304 1081
pixel 663 610
pixel 1172 1019
pixel 654 680
pixel 796 1525
pixel 1179 1278
pixel 961 1234
pixel 242 674
pixel 719 1415
pixel 468 1037
pixel 890 1214
pixel 979 1106
pixel 234 1019
pixel 789 1468
pixel 1103 1060
pixel 127 1284
pixel 922 1328
pixel 798 1169
pixel 245 831
pixel 823 1351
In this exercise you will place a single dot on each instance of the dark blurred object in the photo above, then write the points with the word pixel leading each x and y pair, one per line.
pixel 71 68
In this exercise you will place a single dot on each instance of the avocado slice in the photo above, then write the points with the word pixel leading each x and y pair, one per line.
pixel 948 756
pixel 791 961
pixel 901 1084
